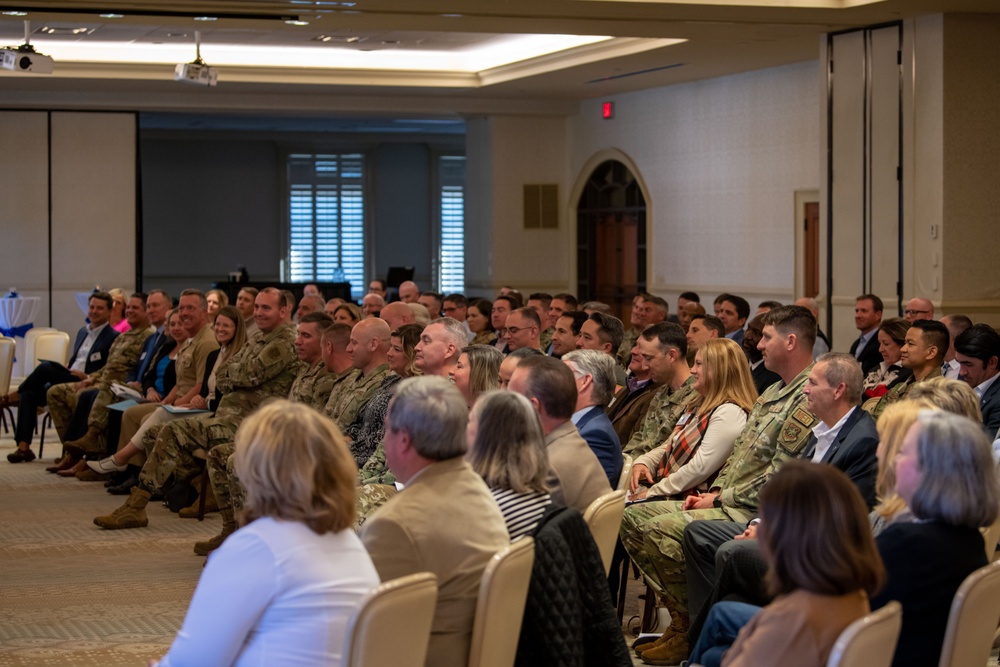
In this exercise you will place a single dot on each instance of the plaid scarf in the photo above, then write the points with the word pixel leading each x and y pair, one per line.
pixel 684 442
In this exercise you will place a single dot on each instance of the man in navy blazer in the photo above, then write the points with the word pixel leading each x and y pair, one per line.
pixel 90 353
pixel 595 384
pixel 868 319
pixel 977 350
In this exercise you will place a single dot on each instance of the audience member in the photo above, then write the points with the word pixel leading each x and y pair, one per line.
pixel 511 362
pixel 397 314
pixel 762 377
pixel 688 311
pixel 891 337
pixel 507 449
pixel 576 478
pixel 922 353
pixel 478 317
pixel 733 311
pixel 956 325
pixel 566 332
pixel 867 319
pixel 273 593
pixel 456 306
pixel 311 289
pixel 347 313
pixel 309 304
pixel 522 329
pixel 822 345
pixel 420 314
pixel 368 347
pixel 440 345
pixel 377 286
pixel 627 408
pixel 118 302
pixel 594 373
pixel 215 299
pixel 244 303
pixel 561 303
pixel 701 329
pixel 918 309
pixel 477 371
pixel 977 350
pixel 432 301
pixel 637 322
pixel 425 440
pixel 372 305
pixel 408 292
pixel 591 307
pixel 503 305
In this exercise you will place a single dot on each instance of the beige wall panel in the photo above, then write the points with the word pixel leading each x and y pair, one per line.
pixel 24 206
pixel 93 206
pixel 883 270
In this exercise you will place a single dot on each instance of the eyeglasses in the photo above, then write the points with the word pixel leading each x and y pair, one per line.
pixel 512 331
pixel 914 312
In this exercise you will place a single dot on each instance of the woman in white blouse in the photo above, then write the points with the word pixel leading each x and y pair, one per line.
pixel 280 590
pixel 704 436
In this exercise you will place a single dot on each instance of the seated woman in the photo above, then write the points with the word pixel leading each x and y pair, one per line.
pixel 118 301
pixel 946 476
pixel 141 423
pixel 507 449
pixel 477 370
pixel 347 313
pixel 891 336
pixel 281 589
pixel 216 300
pixel 479 318
pixel 822 566
pixel 704 436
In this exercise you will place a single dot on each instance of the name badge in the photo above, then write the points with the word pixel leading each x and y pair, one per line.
pixel 684 419
pixel 96 356
pixel 142 356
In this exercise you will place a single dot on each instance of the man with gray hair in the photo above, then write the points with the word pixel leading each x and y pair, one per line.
pixel 594 373
pixel 309 304
pixel 425 447
pixel 440 345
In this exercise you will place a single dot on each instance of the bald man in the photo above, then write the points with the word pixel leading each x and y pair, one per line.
pixel 368 347
pixel 372 305
pixel 918 309
pixel 409 292
pixel 396 314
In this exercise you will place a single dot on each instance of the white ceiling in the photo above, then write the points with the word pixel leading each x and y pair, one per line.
pixel 720 39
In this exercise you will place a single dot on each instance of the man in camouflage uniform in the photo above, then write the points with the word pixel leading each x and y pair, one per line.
pixel 637 323
pixel 368 347
pixel 663 348
pixel 923 352
pixel 189 369
pixel 311 387
pixel 265 366
pixel 777 430
pixel 124 353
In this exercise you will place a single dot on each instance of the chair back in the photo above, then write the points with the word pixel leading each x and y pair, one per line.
pixel 7 346
pixel 990 534
pixel 869 641
pixel 30 360
pixel 392 626
pixel 52 345
pixel 604 516
pixel 626 471
pixel 972 622
pixel 500 608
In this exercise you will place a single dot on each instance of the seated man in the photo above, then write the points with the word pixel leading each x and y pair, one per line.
pixel 627 408
pixel 368 347
pixel 408 291
pixel 702 328
pixel 90 353
pixel 733 310
pixel 595 383
pixel 762 378
pixel 977 350
pixel 540 303
pixel 523 329
pixel 604 333
pixel 265 366
pixel 923 353
pixel 636 323
pixel 425 445
pixel 576 478
pixel 565 332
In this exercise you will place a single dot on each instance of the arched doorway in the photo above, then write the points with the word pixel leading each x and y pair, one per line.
pixel 611 237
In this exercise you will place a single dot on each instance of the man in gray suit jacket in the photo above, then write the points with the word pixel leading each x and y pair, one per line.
pixel 445 520
pixel 576 477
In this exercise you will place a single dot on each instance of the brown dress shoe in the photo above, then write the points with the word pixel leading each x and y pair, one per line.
pixel 79 466
pixel 67 461
pixel 88 475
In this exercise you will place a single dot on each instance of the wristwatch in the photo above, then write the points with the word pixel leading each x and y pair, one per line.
pixel 717 502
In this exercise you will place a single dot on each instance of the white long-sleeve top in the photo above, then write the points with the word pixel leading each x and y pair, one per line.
pixel 724 426
pixel 275 593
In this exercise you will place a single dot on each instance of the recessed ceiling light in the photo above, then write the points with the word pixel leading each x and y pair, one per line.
pixel 63 31
pixel 112 16
pixel 296 22
pixel 206 18
pixel 15 13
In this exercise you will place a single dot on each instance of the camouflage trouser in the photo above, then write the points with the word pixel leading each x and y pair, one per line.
pixel 370 498
pixel 652 534
pixel 61 399
pixel 176 444
pixel 99 410
pixel 229 493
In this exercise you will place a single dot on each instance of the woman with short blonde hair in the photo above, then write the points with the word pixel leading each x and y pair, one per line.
pixel 281 589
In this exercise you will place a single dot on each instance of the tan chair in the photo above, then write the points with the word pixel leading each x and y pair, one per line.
pixel 30 360
pixel 869 641
pixel 990 536
pixel 626 471
pixel 500 608
pixel 51 346
pixel 972 621
pixel 7 348
pixel 393 624
pixel 604 516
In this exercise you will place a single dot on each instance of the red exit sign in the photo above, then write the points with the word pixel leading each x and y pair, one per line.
pixel 608 110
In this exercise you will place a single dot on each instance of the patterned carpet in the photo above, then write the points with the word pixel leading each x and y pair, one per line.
pixel 74 594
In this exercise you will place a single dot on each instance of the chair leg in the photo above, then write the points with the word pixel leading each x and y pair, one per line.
pixel 201 496
pixel 649 619
pixel 623 588
pixel 41 438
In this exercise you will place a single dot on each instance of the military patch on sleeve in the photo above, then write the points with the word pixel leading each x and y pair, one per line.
pixel 273 352
pixel 795 432
pixel 804 417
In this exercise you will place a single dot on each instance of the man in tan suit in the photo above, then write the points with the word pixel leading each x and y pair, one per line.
pixel 576 477
pixel 445 521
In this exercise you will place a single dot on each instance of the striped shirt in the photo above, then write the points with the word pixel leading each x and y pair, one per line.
pixel 521 511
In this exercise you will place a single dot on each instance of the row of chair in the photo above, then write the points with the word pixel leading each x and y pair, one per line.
pixel 40 344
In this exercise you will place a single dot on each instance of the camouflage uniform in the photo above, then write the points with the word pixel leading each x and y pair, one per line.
pixel 312 386
pixel 345 406
pixel 545 338
pixel 375 470
pixel 661 418
pixel 370 498
pixel 265 367
pixel 624 354
pixel 124 354
pixel 341 383
pixel 777 430
pixel 876 406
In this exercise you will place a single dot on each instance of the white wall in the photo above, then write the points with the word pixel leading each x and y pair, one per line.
pixel 721 160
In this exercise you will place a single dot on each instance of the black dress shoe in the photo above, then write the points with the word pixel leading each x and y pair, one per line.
pixel 124 488
pixel 21 456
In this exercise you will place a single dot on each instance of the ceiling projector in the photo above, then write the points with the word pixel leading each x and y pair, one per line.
pixel 26 59
pixel 197 73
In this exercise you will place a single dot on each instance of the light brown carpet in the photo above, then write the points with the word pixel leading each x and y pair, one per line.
pixel 74 594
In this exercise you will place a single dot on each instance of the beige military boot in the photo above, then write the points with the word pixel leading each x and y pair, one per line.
pixel 228 528
pixel 90 442
pixel 130 515
pixel 211 505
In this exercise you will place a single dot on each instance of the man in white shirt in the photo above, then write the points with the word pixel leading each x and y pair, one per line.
pixel 956 325
pixel 977 350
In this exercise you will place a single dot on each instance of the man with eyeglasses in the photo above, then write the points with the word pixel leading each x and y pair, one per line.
pixel 918 309
pixel 522 329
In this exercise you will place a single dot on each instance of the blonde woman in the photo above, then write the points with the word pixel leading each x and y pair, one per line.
pixel 280 590
pixel 704 436
pixel 118 301
pixel 477 370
